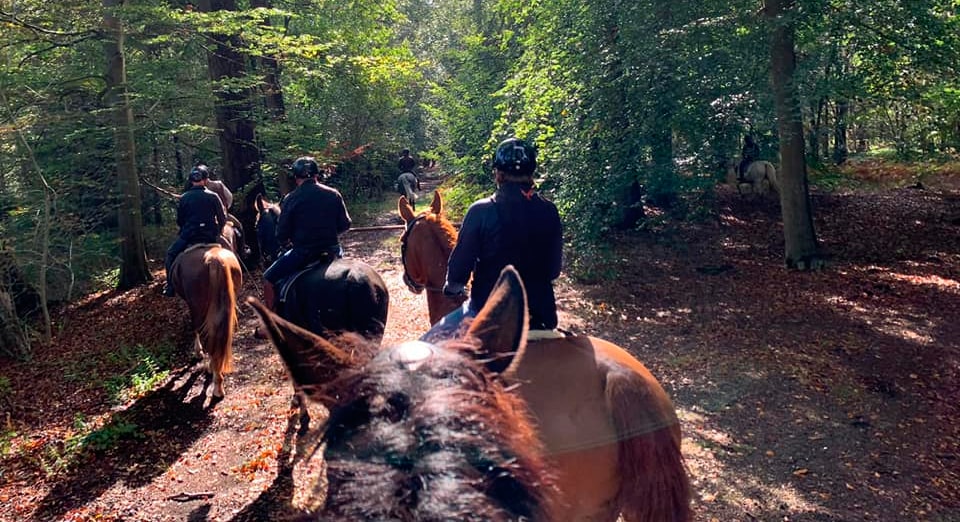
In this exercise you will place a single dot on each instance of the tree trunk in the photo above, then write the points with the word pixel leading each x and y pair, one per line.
pixel 270 67
pixel 14 341
pixel 234 110
pixel 800 240
pixel 840 152
pixel 133 256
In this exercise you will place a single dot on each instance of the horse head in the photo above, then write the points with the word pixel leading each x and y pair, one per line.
pixel 425 246
pixel 425 431
pixel 268 217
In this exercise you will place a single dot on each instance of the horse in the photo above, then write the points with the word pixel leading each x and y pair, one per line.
pixel 760 176
pixel 609 427
pixel 420 431
pixel 345 295
pixel 435 240
pixel 208 277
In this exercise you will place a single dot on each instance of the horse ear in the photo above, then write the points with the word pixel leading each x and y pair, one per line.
pixel 259 204
pixel 437 204
pixel 311 360
pixel 406 211
pixel 501 326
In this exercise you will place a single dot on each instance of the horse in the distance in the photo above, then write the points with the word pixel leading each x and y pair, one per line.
pixel 610 429
pixel 760 177
pixel 420 431
pixel 208 277
pixel 344 295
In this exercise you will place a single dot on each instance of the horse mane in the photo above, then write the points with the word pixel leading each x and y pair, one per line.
pixel 443 229
pixel 442 442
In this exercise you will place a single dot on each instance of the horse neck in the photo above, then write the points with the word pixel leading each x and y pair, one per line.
pixel 442 243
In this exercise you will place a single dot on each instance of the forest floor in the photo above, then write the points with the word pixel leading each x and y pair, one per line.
pixel 827 396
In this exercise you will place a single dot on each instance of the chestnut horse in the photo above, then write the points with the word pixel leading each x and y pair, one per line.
pixel 208 278
pixel 608 426
pixel 420 431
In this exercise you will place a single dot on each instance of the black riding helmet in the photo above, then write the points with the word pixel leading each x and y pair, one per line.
pixel 516 157
pixel 199 173
pixel 305 167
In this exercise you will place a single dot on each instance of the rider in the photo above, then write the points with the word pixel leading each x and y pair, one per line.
pixel 406 163
pixel 312 217
pixel 200 216
pixel 220 188
pixel 515 226
pixel 749 154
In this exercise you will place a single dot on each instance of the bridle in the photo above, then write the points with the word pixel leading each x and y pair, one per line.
pixel 414 286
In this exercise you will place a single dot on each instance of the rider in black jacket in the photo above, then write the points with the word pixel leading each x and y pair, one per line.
pixel 312 218
pixel 200 216
pixel 515 226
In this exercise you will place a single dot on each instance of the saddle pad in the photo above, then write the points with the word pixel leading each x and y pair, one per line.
pixel 287 283
pixel 539 335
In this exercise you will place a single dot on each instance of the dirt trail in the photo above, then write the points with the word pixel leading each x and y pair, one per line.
pixel 803 397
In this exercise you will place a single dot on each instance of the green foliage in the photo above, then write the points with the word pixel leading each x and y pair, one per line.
pixel 145 367
pixel 613 93
pixel 109 436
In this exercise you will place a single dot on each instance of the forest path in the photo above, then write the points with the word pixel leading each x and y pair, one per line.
pixel 803 397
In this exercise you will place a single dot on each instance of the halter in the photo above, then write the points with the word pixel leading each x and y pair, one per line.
pixel 414 286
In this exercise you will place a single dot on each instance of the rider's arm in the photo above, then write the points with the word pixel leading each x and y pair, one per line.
pixel 221 213
pixel 343 217
pixel 285 223
pixel 555 248
pixel 467 250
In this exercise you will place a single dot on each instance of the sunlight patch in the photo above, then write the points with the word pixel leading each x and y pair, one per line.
pixel 887 321
pixel 927 280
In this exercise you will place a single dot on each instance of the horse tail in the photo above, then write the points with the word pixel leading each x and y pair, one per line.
pixel 220 322
pixel 654 486
pixel 771 172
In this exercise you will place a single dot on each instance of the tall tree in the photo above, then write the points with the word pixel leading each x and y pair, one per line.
pixel 133 257
pixel 800 240
pixel 235 122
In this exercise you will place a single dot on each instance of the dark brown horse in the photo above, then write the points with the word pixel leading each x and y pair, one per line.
pixel 345 295
pixel 421 431
pixel 609 427
pixel 208 277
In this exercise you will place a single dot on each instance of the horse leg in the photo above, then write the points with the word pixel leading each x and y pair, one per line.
pixel 197 346
pixel 218 385
pixel 300 402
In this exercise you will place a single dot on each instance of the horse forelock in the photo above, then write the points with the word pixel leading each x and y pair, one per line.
pixel 444 441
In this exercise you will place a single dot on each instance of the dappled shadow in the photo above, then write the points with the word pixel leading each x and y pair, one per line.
pixel 159 427
pixel 823 396
pixel 276 502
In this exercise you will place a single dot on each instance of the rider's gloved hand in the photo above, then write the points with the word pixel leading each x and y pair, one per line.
pixel 454 289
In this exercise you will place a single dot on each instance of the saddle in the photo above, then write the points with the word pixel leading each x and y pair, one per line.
pixel 286 284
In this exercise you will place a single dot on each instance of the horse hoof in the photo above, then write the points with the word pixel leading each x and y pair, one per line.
pixel 258 333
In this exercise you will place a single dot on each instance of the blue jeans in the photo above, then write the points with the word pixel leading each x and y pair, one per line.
pixel 296 258
pixel 447 327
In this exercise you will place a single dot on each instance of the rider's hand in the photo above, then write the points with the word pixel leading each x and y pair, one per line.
pixel 454 289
